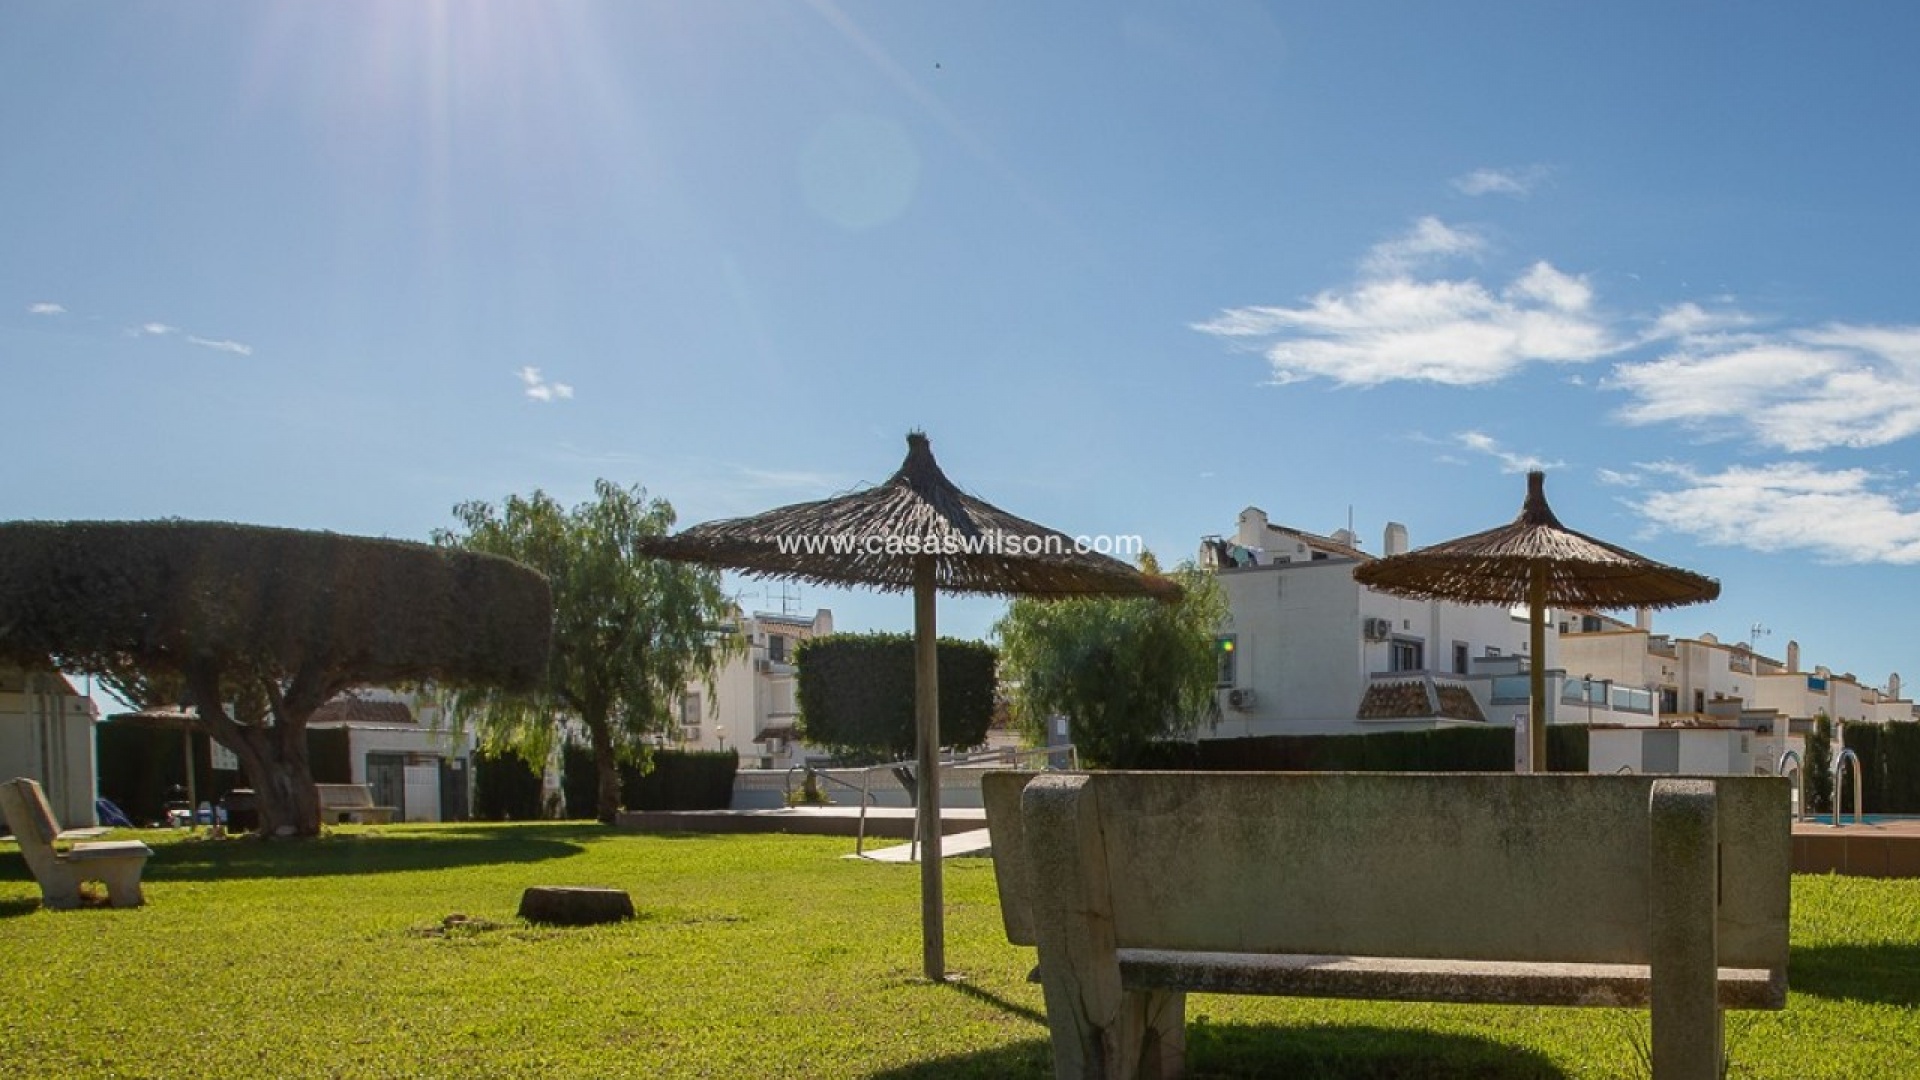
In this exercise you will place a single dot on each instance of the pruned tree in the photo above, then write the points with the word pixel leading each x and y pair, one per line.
pixel 1124 672
pixel 258 627
pixel 856 693
pixel 629 632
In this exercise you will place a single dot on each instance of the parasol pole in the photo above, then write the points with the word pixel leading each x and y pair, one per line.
pixel 926 708
pixel 1537 642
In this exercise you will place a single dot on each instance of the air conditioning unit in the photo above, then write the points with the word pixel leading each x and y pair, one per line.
pixel 1241 699
pixel 1377 629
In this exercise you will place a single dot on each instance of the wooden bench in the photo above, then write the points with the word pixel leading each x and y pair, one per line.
pixel 351 803
pixel 114 863
pixel 1139 888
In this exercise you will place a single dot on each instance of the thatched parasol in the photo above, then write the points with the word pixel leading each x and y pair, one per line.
pixel 916 531
pixel 1537 561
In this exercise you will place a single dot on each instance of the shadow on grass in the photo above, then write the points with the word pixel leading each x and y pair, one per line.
pixel 1320 1052
pixel 1881 974
pixel 990 998
pixel 370 852
pixel 11 909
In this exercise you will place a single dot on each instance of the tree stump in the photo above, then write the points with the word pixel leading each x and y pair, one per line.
pixel 574 905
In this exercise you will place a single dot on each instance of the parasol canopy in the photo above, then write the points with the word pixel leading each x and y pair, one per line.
pixel 873 537
pixel 1536 561
pixel 916 531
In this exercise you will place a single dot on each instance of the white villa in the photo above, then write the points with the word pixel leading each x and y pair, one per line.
pixel 1307 650
pixel 752 705
pixel 1721 708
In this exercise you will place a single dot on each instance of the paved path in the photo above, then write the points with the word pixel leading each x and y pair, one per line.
pixel 971 842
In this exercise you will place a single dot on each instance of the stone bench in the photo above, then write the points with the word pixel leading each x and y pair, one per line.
pixel 1139 888
pixel 344 803
pixel 116 864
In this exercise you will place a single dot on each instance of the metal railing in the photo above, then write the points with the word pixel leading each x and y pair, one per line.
pixel 1012 758
pixel 1799 782
pixel 1839 788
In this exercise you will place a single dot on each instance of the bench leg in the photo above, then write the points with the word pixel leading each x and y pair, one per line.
pixel 60 890
pixel 123 883
pixel 1145 1039
pixel 1689 1041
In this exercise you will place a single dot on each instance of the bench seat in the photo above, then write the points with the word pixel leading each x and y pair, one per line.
pixel 1393 978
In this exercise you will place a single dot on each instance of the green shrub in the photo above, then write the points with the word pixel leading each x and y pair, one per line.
pixel 505 788
pixel 856 694
pixel 664 780
pixel 1444 750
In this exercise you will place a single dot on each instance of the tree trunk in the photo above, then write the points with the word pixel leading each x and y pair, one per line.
pixel 276 762
pixel 607 769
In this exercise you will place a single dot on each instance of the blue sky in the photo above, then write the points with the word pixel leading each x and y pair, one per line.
pixel 1132 266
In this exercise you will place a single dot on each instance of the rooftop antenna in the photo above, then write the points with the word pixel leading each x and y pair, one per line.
pixel 1754 634
pixel 789 600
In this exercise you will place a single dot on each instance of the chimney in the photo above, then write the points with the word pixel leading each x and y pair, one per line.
pixel 1643 619
pixel 1253 528
pixel 1793 658
pixel 1395 541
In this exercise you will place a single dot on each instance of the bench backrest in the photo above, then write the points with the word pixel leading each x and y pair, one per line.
pixel 347 796
pixel 31 820
pixel 1466 866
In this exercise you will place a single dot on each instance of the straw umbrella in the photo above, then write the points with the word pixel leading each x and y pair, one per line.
pixel 1538 562
pixel 918 532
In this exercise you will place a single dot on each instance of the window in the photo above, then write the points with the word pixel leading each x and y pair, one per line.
pixel 1225 649
pixel 690 710
pixel 1408 654
pixel 1459 658
pixel 691 734
pixel 777 648
pixel 1699 701
pixel 1669 700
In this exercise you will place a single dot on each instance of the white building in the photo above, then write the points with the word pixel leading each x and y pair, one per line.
pixel 46 734
pixel 1719 707
pixel 401 746
pixel 1307 650
pixel 753 705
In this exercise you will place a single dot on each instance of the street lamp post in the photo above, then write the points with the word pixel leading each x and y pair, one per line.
pixel 720 732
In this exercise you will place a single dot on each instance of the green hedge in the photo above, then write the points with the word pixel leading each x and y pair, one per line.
pixel 1889 767
pixel 505 788
pixel 1444 750
pixel 677 780
pixel 856 694
pixel 101 595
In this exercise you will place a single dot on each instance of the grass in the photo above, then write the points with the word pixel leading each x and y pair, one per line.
pixel 752 956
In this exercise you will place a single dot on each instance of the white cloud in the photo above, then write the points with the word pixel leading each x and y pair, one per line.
pixel 157 329
pixel 1842 515
pixel 1429 239
pixel 1518 182
pixel 1797 390
pixel 1393 326
pixel 1510 462
pixel 46 308
pixel 539 389
pixel 220 345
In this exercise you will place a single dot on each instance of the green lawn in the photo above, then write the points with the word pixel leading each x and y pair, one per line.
pixel 752 957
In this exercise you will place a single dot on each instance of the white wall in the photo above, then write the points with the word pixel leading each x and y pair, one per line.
pixel 48 737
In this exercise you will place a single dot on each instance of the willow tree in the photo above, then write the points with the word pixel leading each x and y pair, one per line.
pixel 630 633
pixel 256 628
pixel 1123 671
